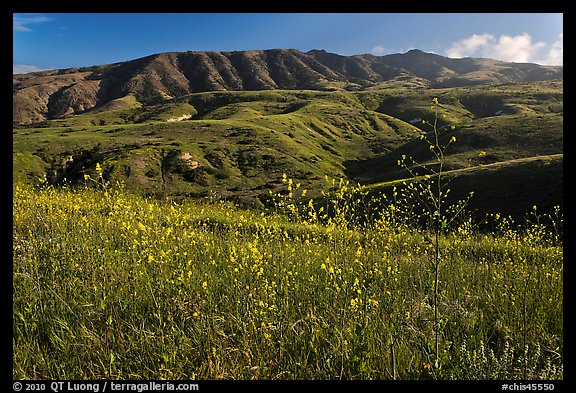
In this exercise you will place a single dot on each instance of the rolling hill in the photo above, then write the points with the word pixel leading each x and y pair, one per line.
pixel 230 124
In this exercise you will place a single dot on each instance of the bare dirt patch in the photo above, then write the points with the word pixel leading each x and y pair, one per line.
pixel 179 118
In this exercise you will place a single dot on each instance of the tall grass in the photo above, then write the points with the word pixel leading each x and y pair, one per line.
pixel 108 284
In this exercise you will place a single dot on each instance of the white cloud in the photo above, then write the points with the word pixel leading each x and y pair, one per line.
pixel 378 50
pixel 24 68
pixel 469 45
pixel 20 23
pixel 555 55
pixel 519 48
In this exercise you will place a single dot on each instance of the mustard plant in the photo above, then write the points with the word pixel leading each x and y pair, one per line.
pixel 430 187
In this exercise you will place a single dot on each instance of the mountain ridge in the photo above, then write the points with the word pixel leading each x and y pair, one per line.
pixel 53 94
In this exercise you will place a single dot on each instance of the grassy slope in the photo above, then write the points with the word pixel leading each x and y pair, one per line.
pixel 525 144
pixel 238 144
pixel 241 140
pixel 511 187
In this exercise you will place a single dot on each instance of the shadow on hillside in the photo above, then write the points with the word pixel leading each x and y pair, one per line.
pixel 508 189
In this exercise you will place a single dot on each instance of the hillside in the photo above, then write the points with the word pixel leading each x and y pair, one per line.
pixel 153 79
pixel 237 145
pixel 230 125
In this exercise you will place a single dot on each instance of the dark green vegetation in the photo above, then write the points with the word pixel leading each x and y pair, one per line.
pixel 238 144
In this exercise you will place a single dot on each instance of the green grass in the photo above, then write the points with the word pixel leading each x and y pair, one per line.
pixel 110 284
pixel 303 133
pixel 243 141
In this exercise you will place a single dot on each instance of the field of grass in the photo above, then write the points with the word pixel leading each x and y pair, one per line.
pixel 135 255
pixel 111 284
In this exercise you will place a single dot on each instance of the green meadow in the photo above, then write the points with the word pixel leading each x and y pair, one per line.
pixel 110 284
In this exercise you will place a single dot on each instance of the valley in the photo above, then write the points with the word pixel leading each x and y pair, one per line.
pixel 237 145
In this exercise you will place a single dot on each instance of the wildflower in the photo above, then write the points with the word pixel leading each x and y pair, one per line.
pixel 353 303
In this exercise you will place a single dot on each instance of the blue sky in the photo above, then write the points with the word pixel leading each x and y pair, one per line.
pixel 53 41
